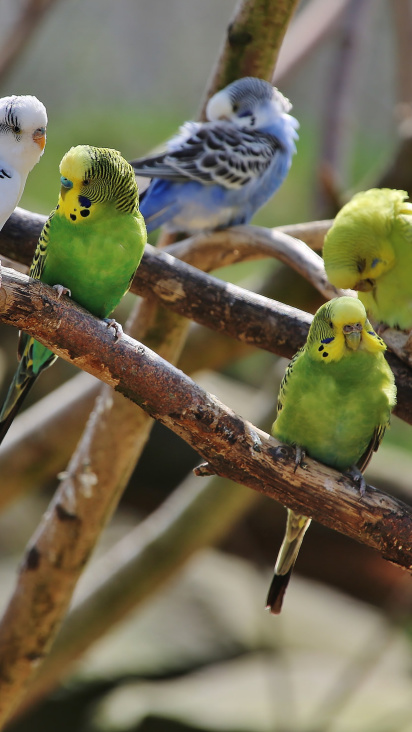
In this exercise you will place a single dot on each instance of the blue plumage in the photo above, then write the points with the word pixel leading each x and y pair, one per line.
pixel 219 173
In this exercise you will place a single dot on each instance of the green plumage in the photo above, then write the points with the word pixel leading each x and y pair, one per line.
pixel 369 249
pixel 335 402
pixel 91 244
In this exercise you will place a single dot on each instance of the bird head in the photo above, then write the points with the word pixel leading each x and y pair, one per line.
pixel 359 247
pixel 341 327
pixel 23 123
pixel 249 103
pixel 92 177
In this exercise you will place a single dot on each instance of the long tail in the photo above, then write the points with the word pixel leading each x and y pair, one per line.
pixel 34 358
pixel 296 527
pixel 18 390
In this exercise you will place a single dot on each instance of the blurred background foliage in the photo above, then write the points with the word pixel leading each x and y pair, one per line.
pixel 203 655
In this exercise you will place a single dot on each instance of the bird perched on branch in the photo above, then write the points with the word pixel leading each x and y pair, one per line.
pixel 219 173
pixel 90 248
pixel 369 249
pixel 334 404
pixel 23 122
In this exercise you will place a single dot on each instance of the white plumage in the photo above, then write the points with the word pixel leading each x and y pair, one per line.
pixel 23 121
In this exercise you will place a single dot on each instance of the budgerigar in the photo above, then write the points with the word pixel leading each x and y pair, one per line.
pixel 369 249
pixel 90 246
pixel 334 404
pixel 218 173
pixel 23 122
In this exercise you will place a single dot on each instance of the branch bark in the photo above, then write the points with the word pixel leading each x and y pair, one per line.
pixel 233 448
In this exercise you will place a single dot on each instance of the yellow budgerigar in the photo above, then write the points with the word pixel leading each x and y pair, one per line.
pixel 334 404
pixel 369 249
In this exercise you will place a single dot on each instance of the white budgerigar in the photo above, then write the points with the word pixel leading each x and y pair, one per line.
pixel 23 122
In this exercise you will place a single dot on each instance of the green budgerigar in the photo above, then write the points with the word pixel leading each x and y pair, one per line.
pixel 369 249
pixel 90 247
pixel 334 404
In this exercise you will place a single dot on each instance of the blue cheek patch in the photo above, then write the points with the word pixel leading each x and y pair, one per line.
pixel 327 340
pixel 375 262
pixel 85 202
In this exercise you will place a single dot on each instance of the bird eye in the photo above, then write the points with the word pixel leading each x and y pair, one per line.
pixel 235 107
pixel 16 129
pixel 330 324
pixel 86 182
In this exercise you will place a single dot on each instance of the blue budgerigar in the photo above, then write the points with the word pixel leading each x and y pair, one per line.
pixel 220 172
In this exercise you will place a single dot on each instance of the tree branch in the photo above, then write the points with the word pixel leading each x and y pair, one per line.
pixel 240 314
pixel 19 35
pixel 307 30
pixel 252 43
pixel 233 447
pixel 114 416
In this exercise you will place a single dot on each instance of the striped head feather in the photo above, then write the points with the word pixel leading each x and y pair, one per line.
pixel 94 175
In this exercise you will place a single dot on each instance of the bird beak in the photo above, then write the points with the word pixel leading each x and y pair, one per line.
pixel 353 335
pixel 39 137
pixel 364 285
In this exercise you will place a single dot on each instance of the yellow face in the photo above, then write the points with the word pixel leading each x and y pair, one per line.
pixel 74 202
pixel 341 327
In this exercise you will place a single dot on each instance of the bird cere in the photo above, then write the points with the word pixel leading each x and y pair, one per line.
pixel 213 175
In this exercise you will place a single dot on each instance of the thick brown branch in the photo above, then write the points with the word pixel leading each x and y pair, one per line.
pixel 228 309
pixel 234 448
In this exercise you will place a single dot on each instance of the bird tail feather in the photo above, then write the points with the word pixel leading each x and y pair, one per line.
pixel 19 388
pixel 296 528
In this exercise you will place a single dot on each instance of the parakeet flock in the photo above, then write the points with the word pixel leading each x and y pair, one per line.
pixel 338 391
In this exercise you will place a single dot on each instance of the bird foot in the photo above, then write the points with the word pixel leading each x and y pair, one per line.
pixel 300 455
pixel 112 323
pixel 62 290
pixel 355 474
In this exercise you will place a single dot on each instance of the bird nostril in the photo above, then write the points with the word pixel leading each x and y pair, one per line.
pixel 66 183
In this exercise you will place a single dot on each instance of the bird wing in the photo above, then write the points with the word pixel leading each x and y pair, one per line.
pixel 10 187
pixel 39 259
pixel 376 440
pixel 217 153
pixel 286 376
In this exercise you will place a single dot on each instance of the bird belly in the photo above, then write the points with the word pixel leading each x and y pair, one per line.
pixel 96 268
pixel 333 415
